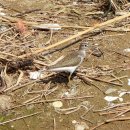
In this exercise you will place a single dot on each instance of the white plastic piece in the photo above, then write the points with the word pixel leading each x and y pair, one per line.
pixel 127 50
pixel 2 14
pixel 112 98
pixel 34 75
pixel 123 93
pixel 48 26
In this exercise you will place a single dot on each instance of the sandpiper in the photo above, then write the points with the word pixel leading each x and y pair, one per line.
pixel 71 61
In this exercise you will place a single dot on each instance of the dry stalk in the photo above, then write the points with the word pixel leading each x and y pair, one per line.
pixel 109 121
pixel 19 118
pixel 51 100
pixel 23 85
pixel 83 116
pixel 98 26
pixel 100 80
pixel 112 107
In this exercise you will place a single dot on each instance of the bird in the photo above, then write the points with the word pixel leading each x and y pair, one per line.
pixel 70 62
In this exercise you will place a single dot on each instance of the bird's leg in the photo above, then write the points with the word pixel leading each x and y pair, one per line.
pixel 69 78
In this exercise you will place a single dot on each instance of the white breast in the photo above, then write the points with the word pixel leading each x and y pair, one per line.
pixel 70 69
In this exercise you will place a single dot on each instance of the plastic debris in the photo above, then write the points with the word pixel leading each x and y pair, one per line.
pixel 128 82
pixel 112 98
pixel 127 50
pixel 123 93
pixel 57 104
pixel 2 14
pixel 35 75
pixel 48 26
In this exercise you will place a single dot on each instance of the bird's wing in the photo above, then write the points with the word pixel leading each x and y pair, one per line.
pixel 69 60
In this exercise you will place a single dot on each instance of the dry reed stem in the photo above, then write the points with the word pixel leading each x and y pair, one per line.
pixel 77 35
pixel 19 118
pixel 112 107
pixel 109 121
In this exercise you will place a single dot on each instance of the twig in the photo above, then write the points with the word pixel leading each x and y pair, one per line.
pixel 87 80
pixel 8 54
pixel 110 120
pixel 54 122
pixel 32 99
pixel 128 109
pixel 77 35
pixel 101 80
pixel 23 85
pixel 26 12
pixel 41 91
pixel 19 118
pixel 118 53
pixel 117 105
pixel 82 116
pixel 18 81
pixel 118 78
pixel 50 100
pixel 105 81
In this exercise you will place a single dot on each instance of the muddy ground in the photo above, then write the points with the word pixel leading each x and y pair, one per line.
pixel 77 111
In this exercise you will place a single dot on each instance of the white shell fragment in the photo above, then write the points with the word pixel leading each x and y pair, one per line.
pixel 127 50
pixel 128 82
pixel 48 26
pixel 57 104
pixel 74 122
pixel 35 75
pixel 123 93
pixel 112 98
pixel 2 14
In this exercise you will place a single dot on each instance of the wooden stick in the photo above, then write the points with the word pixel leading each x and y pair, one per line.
pixel 19 118
pixel 77 35
pixel 23 85
pixel 105 81
pixel 51 100
pixel 100 80
pixel 110 120
pixel 112 107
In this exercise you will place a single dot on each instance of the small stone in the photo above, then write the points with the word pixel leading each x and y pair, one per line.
pixel 57 104
pixel 74 122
